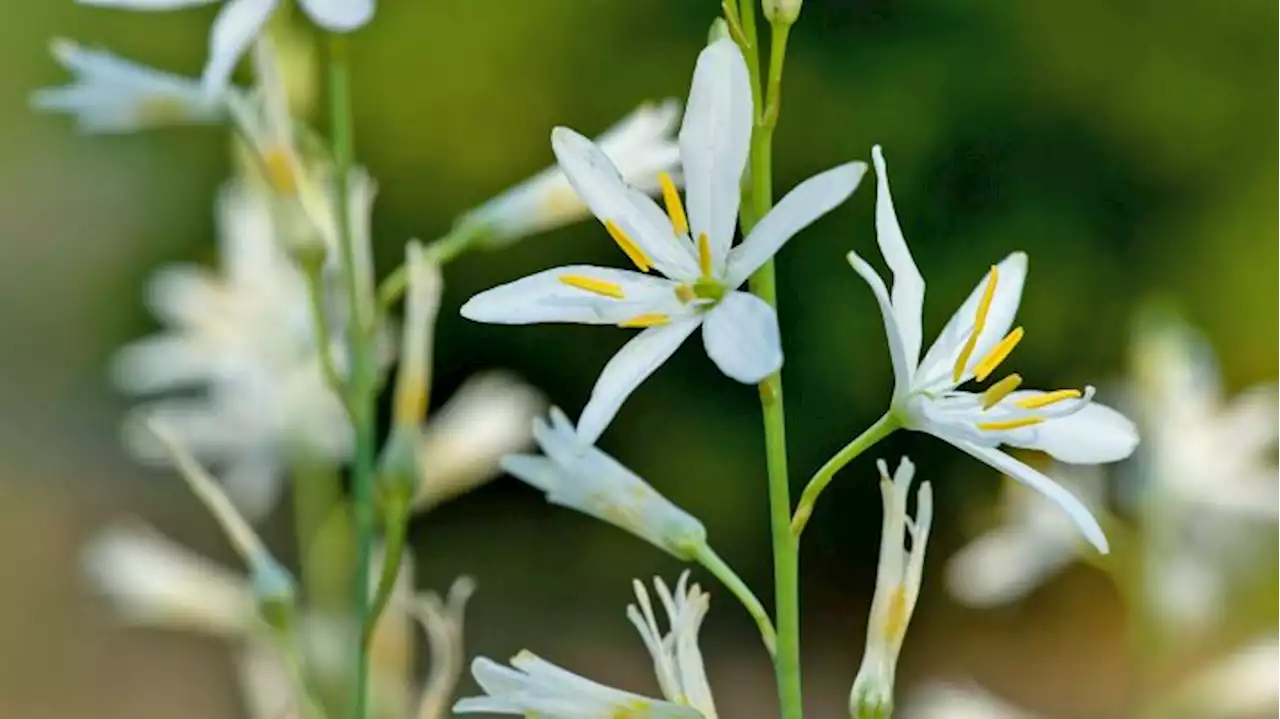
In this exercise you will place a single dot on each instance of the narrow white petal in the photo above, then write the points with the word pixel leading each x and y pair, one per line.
pixel 897 350
pixel 714 141
pixel 1092 435
pixel 810 200
pixel 741 336
pixel 1006 564
pixel 1053 491
pixel 254 484
pixel 339 15
pixel 908 285
pixel 544 297
pixel 238 23
pixel 629 367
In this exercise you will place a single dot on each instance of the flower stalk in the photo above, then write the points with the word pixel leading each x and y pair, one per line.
pixel 882 428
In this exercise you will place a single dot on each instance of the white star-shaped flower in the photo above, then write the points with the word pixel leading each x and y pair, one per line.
pixel 701 271
pixel 240 21
pixel 1065 423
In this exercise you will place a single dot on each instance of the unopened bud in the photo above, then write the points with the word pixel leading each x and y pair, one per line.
pixel 782 11
pixel 398 469
pixel 273 588
pixel 719 31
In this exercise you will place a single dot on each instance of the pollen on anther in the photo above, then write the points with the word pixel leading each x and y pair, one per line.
pixel 671 198
pixel 628 246
pixel 979 321
pixel 1048 398
pixel 1009 424
pixel 652 319
pixel 279 170
pixel 704 254
pixel 685 293
pixel 998 391
pixel 988 364
pixel 591 284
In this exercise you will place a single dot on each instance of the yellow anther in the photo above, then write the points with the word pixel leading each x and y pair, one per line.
pixel 628 246
pixel 685 293
pixel 591 284
pixel 988 364
pixel 1009 424
pixel 1048 398
pixel 897 615
pixel 646 320
pixel 979 321
pixel 1000 390
pixel 671 197
pixel 278 166
pixel 704 254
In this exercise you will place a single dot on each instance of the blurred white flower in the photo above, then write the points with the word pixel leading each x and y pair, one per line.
pixel 532 686
pixel 1034 541
pixel 111 94
pixel 897 589
pixel 1063 423
pixel 575 474
pixel 241 21
pixel 948 701
pixel 702 272
pixel 1244 684
pixel 442 620
pixel 640 145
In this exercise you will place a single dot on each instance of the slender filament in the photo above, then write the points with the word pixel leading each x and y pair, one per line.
pixel 628 246
pixel 591 284
pixel 979 321
pixel 704 254
pixel 651 319
pixel 1000 390
pixel 1009 424
pixel 671 197
pixel 1048 398
pixel 988 364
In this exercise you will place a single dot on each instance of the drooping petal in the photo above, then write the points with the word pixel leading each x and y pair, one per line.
pixel 897 350
pixel 339 15
pixel 629 367
pixel 238 23
pixel 547 297
pixel 942 355
pixel 1092 435
pixel 714 141
pixel 908 285
pixel 810 200
pixel 1053 491
pixel 741 336
pixel 598 183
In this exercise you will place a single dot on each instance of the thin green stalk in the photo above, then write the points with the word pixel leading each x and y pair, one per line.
pixel 722 571
pixel 324 338
pixel 882 428
pixel 459 240
pixel 393 553
pixel 363 377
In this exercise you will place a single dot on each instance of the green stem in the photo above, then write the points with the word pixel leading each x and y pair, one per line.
pixel 722 571
pixel 324 338
pixel 393 554
pixel 363 379
pixel 882 428
pixel 459 240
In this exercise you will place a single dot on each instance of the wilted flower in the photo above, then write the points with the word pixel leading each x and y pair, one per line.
pixel 897 589
pixel 575 474
pixel 702 275
pixel 532 686
pixel 640 145
pixel 112 94
pixel 1064 423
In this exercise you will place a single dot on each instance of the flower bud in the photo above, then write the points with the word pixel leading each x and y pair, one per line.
pixel 782 11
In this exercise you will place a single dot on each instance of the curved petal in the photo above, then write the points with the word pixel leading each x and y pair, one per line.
pixel 1052 491
pixel 600 186
pixel 810 200
pixel 545 297
pixel 714 141
pixel 237 25
pixel 1006 564
pixel 908 285
pixel 938 361
pixel 632 365
pixel 897 351
pixel 741 336
pixel 1092 435
pixel 339 15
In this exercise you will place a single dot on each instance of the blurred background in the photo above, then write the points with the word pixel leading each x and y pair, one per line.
pixel 1126 146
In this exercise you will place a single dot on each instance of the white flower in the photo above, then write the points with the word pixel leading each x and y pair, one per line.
pixel 1064 423
pixel 1034 542
pixel 112 94
pixel 897 588
pixel 240 21
pixel 640 145
pixel 702 273
pixel 1244 684
pixel 579 476
pixel 533 686
pixel 947 701
pixel 442 622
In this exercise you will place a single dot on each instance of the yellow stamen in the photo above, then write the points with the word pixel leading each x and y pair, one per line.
pixel 1048 398
pixel 685 293
pixel 1009 424
pixel 628 246
pixel 646 320
pixel 980 320
pixel 1000 390
pixel 997 354
pixel 591 284
pixel 671 197
pixel 704 254
pixel 279 170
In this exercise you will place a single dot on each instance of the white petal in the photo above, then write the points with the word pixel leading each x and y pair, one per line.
pixel 1053 491
pixel 1092 435
pixel 629 367
pixel 339 15
pixel 939 360
pixel 597 181
pixel 908 285
pixel 1005 564
pixel 254 484
pixel 897 350
pixel 714 141
pixel 236 26
pixel 810 200
pixel 741 336
pixel 543 297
